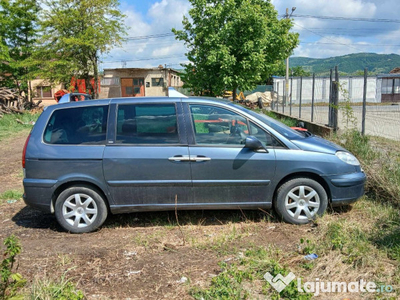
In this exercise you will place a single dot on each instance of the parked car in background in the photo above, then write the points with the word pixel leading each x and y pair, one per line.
pixel 74 97
pixel 85 160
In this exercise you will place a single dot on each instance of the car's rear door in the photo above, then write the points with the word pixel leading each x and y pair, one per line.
pixel 146 161
pixel 225 173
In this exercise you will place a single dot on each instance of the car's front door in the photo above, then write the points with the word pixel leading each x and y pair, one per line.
pixel 224 172
pixel 147 166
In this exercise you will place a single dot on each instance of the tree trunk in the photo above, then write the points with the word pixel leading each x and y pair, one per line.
pixel 234 93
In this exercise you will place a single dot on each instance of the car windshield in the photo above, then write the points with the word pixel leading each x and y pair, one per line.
pixel 286 131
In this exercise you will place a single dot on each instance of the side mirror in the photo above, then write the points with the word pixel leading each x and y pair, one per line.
pixel 254 143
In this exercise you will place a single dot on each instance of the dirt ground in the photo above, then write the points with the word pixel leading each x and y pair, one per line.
pixel 133 256
pixel 10 162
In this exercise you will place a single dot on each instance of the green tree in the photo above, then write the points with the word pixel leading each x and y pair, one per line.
pixel 75 35
pixel 299 71
pixel 18 34
pixel 233 43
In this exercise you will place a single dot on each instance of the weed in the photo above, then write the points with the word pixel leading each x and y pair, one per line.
pixel 61 289
pixel 345 106
pixel 306 246
pixel 11 195
pixel 10 282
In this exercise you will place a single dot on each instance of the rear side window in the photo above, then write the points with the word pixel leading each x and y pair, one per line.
pixel 147 124
pixel 80 125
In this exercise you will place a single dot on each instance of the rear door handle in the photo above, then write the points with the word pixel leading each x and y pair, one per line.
pixel 179 158
pixel 199 158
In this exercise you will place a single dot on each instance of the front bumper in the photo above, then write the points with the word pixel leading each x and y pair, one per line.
pixel 347 188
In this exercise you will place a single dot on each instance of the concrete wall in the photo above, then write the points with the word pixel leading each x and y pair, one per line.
pixel 353 85
pixel 111 84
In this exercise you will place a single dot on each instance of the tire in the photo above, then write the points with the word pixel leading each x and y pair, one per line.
pixel 80 209
pixel 300 200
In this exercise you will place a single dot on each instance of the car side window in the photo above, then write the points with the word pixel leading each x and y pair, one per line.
pixel 147 124
pixel 265 137
pixel 218 126
pixel 80 125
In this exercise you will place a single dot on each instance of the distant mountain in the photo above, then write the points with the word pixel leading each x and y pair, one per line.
pixel 349 64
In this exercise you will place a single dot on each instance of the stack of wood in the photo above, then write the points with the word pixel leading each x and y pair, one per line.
pixel 8 110
pixel 10 98
pixel 249 104
pixel 12 102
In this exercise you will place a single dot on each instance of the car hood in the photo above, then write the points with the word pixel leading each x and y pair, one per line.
pixel 317 144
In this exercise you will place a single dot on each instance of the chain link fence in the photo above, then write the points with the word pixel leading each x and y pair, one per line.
pixel 338 101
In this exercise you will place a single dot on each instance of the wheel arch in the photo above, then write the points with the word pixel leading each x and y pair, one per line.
pixel 80 183
pixel 310 175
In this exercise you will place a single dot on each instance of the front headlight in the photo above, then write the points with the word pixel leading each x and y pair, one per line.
pixel 348 158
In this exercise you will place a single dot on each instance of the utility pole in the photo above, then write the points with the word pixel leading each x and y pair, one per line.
pixel 287 16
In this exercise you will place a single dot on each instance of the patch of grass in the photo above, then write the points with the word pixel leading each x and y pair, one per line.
pixel 11 195
pixel 10 126
pixel 62 289
pixel 244 278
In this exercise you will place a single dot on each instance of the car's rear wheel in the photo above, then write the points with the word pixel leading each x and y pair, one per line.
pixel 300 200
pixel 80 209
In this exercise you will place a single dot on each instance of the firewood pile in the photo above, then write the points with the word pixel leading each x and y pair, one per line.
pixel 12 102
pixel 10 98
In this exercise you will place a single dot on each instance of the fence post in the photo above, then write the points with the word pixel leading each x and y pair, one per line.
pixel 335 87
pixel 301 91
pixel 330 107
pixel 291 89
pixel 364 107
pixel 312 97
pixel 284 98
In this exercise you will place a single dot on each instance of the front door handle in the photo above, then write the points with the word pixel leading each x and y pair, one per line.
pixel 179 158
pixel 200 158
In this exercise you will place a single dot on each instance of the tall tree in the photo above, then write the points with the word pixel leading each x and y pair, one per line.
pixel 75 35
pixel 18 33
pixel 233 43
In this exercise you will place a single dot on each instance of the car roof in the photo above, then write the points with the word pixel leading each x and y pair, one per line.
pixel 204 100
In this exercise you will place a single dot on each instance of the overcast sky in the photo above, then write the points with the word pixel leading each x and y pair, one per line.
pixel 320 37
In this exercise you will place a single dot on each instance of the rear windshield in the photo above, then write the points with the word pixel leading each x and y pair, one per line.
pixel 80 125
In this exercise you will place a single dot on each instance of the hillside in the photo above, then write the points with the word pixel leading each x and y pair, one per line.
pixel 350 64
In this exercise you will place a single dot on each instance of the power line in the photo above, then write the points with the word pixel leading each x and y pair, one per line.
pixel 366 44
pixel 336 42
pixel 152 36
pixel 144 59
pixel 348 19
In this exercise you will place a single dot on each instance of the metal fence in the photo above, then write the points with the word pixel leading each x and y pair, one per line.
pixel 339 102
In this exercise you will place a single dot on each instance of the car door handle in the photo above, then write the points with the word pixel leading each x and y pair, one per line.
pixel 200 158
pixel 179 158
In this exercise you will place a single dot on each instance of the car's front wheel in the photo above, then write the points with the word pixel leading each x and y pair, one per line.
pixel 80 209
pixel 300 200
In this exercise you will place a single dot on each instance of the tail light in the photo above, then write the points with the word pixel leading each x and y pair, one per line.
pixel 24 151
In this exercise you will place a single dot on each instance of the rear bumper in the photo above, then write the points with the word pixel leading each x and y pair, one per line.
pixel 346 189
pixel 38 193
